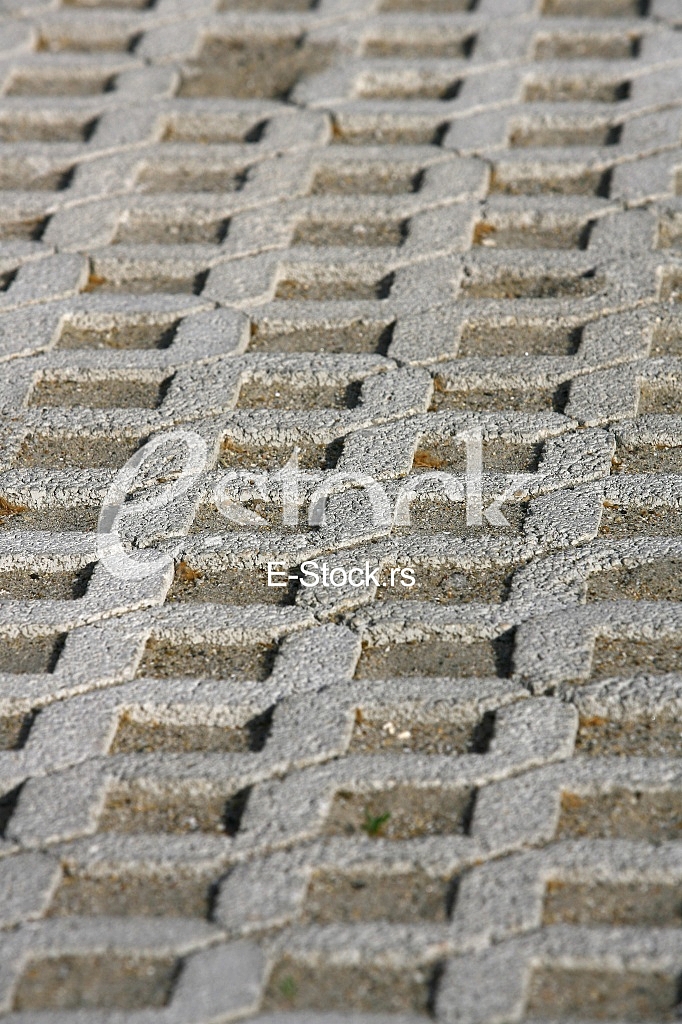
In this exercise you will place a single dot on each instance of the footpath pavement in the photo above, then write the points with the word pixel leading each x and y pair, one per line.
pixel 392 239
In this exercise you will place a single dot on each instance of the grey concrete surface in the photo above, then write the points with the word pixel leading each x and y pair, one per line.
pixel 357 231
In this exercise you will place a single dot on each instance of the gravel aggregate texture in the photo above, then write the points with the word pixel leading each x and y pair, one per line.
pixel 379 239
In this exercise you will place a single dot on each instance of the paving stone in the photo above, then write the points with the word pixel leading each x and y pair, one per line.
pixel 426 253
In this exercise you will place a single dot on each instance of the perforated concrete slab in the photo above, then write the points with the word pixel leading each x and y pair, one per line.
pixel 340 511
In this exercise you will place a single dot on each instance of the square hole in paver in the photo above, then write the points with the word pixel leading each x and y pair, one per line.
pixel 141 230
pixel 621 904
pixel 518 179
pixel 31 127
pixel 666 341
pixel 146 279
pixel 651 816
pixel 347 287
pixel 493 397
pixel 482 340
pixel 8 805
pixel 352 233
pixel 407 86
pixel 6 279
pixel 620 656
pixel 125 894
pixel 437 658
pixel 210 519
pixel 541 134
pixel 147 807
pixel 659 580
pixel 671 285
pixel 355 337
pixel 443 516
pixel 164 659
pixel 174 176
pixel 420 731
pixel 253 67
pixel 33 585
pixel 30 655
pixel 122 5
pixel 403 812
pixel 345 897
pixel 55 451
pixel 660 398
pixel 601 994
pixel 148 736
pixel 367 179
pixel 99 394
pixel 33 175
pixel 512 284
pixel 446 585
pixel 362 988
pixel 257 394
pixel 267 5
pixel 586 46
pixel 207 128
pixel 653 735
pixel 576 89
pixel 234 586
pixel 595 8
pixel 64 36
pixel 9 510
pixel 638 521
pixel 429 6
pixel 572 235
pixel 15 730
pixel 95 982
pixel 59 83
pixel 413 47
pixel 388 130
pixel 669 234
pixel 647 458
pixel 135 335
pixel 29 229
pixel 78 518
pixel 449 454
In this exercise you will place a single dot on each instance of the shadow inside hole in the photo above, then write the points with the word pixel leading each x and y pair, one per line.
pixel 451 896
pixel 199 282
pixel 25 725
pixel 584 236
pixel 258 729
pixel 503 650
pixel 7 278
pixel 439 134
pixel 468 814
pixel 483 733
pixel 383 289
pixel 560 397
pixel 604 185
pixel 351 398
pixel 133 42
pixel 434 981
pixel 451 91
pixel 256 133
pixel 8 803
pixel 234 811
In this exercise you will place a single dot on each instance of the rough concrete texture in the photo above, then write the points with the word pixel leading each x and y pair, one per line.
pixel 355 230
